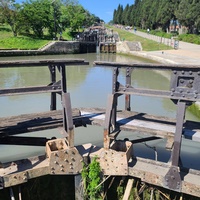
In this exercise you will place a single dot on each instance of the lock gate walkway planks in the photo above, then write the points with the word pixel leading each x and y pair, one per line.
pixel 117 156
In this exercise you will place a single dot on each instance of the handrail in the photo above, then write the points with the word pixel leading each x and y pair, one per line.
pixel 44 62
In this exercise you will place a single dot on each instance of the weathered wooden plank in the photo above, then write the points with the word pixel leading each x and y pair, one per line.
pixel 128 189
pixel 33 122
pixel 141 122
pixel 126 120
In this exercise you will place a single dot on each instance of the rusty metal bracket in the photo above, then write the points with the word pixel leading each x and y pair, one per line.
pixel 185 84
pixel 110 119
pixel 67 118
pixel 114 161
pixel 172 179
pixel 62 158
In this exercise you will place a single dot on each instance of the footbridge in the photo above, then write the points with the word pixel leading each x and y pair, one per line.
pixel 116 157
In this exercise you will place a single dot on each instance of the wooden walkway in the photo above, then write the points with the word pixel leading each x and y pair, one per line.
pixel 141 122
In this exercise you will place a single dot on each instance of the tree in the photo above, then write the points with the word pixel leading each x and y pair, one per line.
pixel 166 13
pixel 188 14
pixel 125 15
pixel 42 14
pixel 76 15
pixel 9 14
pixel 114 16
pixel 118 14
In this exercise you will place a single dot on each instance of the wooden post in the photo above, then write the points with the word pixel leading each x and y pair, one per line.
pixel 128 189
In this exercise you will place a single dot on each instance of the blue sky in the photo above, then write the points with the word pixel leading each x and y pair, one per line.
pixel 104 8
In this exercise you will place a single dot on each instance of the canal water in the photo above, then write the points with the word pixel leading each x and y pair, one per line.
pixel 89 86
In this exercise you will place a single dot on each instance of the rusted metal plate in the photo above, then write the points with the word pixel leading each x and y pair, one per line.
pixel 153 172
pixel 62 158
pixel 62 162
pixel 114 161
pixel 15 173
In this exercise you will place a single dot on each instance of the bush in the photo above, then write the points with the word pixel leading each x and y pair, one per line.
pixel 192 38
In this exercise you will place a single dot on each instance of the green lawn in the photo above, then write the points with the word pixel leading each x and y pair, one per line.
pixel 8 41
pixel 147 45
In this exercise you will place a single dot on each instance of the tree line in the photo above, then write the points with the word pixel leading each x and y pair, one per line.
pixel 38 16
pixel 160 14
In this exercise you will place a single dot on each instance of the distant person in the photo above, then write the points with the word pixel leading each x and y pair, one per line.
pixel 135 29
pixel 148 30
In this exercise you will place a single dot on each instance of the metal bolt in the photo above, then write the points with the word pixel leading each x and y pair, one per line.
pixel 190 81
pixel 183 95
pixel 175 72
pixel 71 167
pixel 183 72
pixel 66 160
pixel 190 72
pixel 61 165
pixel 195 92
pixel 182 80
pixel 73 159
pixel 195 96
pixel 172 94
pixel 62 170
pixel 52 172
pixel 55 162
pixel 173 90
pixel 198 73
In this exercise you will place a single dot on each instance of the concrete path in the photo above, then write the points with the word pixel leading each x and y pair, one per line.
pixel 186 53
